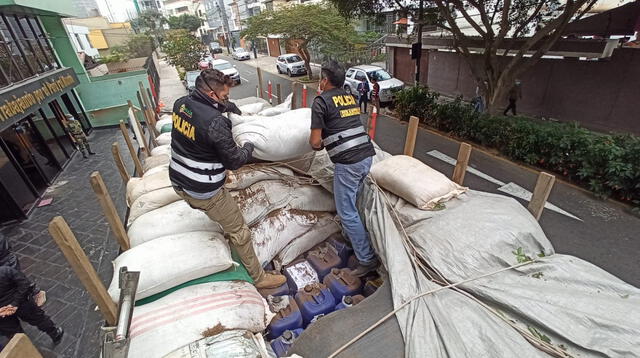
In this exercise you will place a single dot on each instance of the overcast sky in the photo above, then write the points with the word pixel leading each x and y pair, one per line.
pixel 116 10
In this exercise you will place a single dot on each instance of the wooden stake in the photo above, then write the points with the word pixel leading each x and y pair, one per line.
pixel 142 140
pixel 541 192
pixel 279 93
pixel 110 211
pixel 461 165
pixel 132 151
pixel 20 346
pixel 294 96
pixel 80 263
pixel 124 174
pixel 260 87
pixel 412 133
pixel 151 116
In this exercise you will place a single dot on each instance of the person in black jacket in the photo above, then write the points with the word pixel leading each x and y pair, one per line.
pixel 202 149
pixel 8 258
pixel 16 303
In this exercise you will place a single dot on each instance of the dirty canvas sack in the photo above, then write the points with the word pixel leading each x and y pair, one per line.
pixel 325 227
pixel 164 120
pixel 161 150
pixel 278 229
pixel 171 261
pixel 151 201
pixel 156 161
pixel 312 198
pixel 175 218
pixel 281 137
pixel 415 181
pixel 192 313
pixel 235 343
pixel 164 138
pixel 136 187
pixel 261 198
pixel 248 175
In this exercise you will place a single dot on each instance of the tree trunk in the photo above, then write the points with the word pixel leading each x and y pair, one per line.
pixel 306 57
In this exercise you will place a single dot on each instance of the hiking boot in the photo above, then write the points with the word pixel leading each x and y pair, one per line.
pixel 56 337
pixel 270 280
pixel 363 269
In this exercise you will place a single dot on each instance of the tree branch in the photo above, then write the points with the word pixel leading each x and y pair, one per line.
pixel 460 6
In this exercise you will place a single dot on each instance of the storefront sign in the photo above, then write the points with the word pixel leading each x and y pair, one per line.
pixel 21 99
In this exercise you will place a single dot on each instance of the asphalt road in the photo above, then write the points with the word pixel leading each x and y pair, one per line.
pixel 604 233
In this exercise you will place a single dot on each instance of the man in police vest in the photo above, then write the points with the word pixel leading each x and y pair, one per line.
pixel 336 126
pixel 202 149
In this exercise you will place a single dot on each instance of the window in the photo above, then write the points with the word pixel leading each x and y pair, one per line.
pixel 350 72
pixel 182 9
pixel 293 59
pixel 360 76
pixel 380 75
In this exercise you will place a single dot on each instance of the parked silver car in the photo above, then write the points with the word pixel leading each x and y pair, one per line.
pixel 240 54
pixel 388 85
pixel 190 80
pixel 228 69
pixel 291 64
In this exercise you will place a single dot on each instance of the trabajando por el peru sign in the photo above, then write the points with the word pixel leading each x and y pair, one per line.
pixel 21 104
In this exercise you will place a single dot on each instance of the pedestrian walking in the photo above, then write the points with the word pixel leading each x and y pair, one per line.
pixel 375 94
pixel 17 304
pixel 515 93
pixel 478 100
pixel 8 258
pixel 363 94
pixel 336 126
pixel 75 128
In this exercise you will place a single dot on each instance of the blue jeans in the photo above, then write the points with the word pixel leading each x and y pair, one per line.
pixel 347 181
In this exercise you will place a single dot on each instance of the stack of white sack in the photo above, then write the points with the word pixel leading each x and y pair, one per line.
pixel 159 160
pixel 151 201
pixel 248 175
pixel 191 256
pixel 164 120
pixel 161 150
pixel 279 138
pixel 164 138
pixel 192 312
pixel 138 186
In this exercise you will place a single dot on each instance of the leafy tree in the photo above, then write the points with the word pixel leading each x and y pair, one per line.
pixel 150 22
pixel 188 22
pixel 537 24
pixel 182 49
pixel 315 24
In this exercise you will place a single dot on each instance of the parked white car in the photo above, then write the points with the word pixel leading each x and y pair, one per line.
pixel 388 85
pixel 291 64
pixel 227 68
pixel 240 54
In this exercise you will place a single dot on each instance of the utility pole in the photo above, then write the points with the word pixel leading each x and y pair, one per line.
pixel 416 48
pixel 225 23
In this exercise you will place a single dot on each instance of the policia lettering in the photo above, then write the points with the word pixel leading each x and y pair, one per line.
pixel 346 100
pixel 181 125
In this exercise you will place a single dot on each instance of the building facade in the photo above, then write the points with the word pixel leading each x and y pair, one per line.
pixel 36 92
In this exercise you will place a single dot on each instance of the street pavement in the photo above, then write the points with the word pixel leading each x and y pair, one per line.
pixel 605 233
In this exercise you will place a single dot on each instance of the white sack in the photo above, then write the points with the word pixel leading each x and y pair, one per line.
pixel 136 187
pixel 325 227
pixel 249 100
pixel 171 261
pixel 175 218
pixel 164 119
pixel 248 175
pixel 281 137
pixel 155 161
pixel 312 198
pixel 261 198
pixel 181 317
pixel 154 170
pixel 278 229
pixel 415 181
pixel 151 201
pixel 235 343
pixel 161 150
pixel 164 138
pixel 253 108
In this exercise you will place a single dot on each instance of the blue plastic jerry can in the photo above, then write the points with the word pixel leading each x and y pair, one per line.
pixel 282 344
pixel 288 316
pixel 342 283
pixel 348 301
pixel 323 258
pixel 315 300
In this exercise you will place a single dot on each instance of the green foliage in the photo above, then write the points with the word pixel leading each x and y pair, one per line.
pixel 183 50
pixel 150 22
pixel 607 164
pixel 188 22
pixel 139 45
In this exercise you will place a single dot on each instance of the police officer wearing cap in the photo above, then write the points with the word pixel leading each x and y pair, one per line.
pixel 336 126
pixel 202 149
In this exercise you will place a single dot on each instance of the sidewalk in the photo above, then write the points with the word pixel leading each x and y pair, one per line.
pixel 171 88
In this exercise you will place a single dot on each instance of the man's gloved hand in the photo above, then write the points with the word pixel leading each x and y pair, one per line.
pixel 231 107
pixel 248 146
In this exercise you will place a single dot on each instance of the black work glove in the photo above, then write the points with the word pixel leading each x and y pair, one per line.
pixel 231 107
pixel 249 147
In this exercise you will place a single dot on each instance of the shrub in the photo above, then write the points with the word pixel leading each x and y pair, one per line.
pixel 607 164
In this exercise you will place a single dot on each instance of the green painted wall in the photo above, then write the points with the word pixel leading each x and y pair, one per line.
pixel 62 7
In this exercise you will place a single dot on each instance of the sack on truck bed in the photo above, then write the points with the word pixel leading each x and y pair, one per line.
pixel 151 201
pixel 322 230
pixel 248 175
pixel 415 181
pixel 236 343
pixel 195 312
pixel 136 187
pixel 154 170
pixel 164 138
pixel 171 261
pixel 280 137
pixel 164 120
pixel 161 150
pixel 261 198
pixel 172 219
pixel 156 161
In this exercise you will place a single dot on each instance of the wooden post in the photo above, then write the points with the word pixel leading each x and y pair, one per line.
pixel 151 116
pixel 294 96
pixel 260 87
pixel 20 346
pixel 124 174
pixel 541 194
pixel 412 133
pixel 80 263
pixel 461 165
pixel 139 133
pixel 110 211
pixel 279 93
pixel 132 151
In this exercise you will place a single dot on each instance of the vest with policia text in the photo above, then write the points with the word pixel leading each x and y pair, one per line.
pixel 195 166
pixel 344 137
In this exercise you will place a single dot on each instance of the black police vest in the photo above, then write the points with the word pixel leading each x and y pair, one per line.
pixel 194 165
pixel 344 137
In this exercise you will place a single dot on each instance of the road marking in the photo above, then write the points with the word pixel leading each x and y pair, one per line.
pixel 512 189
pixel 244 79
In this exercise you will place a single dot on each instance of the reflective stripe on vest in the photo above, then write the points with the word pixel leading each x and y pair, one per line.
pixel 195 164
pixel 348 145
pixel 344 134
pixel 201 178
